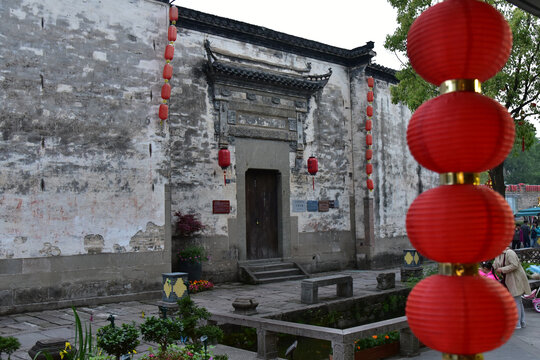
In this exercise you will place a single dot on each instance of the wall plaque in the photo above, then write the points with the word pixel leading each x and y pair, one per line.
pixel 323 205
pixel 221 206
pixel 299 206
pixel 312 205
pixel 333 204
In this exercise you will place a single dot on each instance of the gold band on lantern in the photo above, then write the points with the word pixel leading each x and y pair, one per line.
pixel 463 357
pixel 450 269
pixel 459 178
pixel 460 85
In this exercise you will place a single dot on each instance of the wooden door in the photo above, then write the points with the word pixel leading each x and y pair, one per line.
pixel 261 214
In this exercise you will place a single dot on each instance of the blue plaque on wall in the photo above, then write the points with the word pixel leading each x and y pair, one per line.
pixel 299 206
pixel 312 205
pixel 333 204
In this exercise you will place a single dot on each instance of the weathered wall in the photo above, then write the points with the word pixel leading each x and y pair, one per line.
pixel 82 157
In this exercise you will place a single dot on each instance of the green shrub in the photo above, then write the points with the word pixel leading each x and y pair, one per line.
pixel 9 345
pixel 118 341
pixel 161 331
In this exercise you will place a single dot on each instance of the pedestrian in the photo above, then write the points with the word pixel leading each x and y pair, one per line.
pixel 486 270
pixel 526 231
pixel 534 235
pixel 516 239
pixel 515 280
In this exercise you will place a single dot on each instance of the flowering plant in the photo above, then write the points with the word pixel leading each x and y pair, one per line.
pixel 194 254
pixel 376 340
pixel 200 285
pixel 187 224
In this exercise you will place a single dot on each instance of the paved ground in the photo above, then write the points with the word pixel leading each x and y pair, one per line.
pixel 272 298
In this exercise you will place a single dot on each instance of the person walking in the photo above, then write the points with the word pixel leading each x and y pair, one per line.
pixel 526 231
pixel 534 235
pixel 516 240
pixel 515 280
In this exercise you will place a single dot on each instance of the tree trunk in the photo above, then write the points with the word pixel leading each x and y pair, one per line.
pixel 497 178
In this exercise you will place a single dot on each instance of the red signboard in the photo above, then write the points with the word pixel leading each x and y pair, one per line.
pixel 221 206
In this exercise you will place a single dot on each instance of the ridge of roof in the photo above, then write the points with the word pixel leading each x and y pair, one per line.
pixel 258 35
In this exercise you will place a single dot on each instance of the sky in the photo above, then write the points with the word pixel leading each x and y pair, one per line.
pixel 343 23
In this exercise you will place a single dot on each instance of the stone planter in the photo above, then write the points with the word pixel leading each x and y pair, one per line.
pixel 376 353
pixel 173 286
pixel 194 270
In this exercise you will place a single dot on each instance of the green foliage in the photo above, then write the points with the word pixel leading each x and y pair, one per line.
pixel 118 340
pixel 188 352
pixel 244 338
pixel 193 254
pixel 516 86
pixel 376 340
pixel 9 345
pixel 161 331
pixel 524 167
pixel 191 316
pixel 427 272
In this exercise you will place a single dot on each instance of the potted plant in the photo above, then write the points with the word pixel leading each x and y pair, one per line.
pixel 190 260
pixel 188 256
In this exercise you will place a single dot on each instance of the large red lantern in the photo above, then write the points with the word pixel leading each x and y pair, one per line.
pixel 445 314
pixel 224 161
pixel 459 39
pixel 313 168
pixel 173 14
pixel 473 124
pixel 470 235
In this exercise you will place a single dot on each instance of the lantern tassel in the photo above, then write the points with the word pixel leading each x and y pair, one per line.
pixel 523 144
pixel 225 178
pixel 313 183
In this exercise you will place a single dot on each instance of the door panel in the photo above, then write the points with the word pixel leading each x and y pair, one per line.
pixel 261 214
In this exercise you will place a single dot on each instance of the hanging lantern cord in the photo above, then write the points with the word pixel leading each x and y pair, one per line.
pixel 313 178
pixel 225 177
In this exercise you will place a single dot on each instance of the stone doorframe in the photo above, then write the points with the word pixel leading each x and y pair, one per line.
pixel 266 155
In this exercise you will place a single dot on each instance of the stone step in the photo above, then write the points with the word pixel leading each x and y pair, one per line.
pixel 284 278
pixel 277 273
pixel 272 266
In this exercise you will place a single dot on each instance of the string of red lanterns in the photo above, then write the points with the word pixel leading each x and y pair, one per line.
pixel 369 136
pixel 168 69
pixel 456 45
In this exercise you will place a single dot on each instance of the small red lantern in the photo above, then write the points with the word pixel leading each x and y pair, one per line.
pixel 169 52
pixel 166 91
pixel 459 39
pixel 369 110
pixel 369 154
pixel 369 168
pixel 369 140
pixel 224 161
pixel 370 82
pixel 173 13
pixel 445 314
pixel 167 71
pixel 369 124
pixel 163 112
pixel 369 184
pixel 370 96
pixel 313 167
pixel 171 33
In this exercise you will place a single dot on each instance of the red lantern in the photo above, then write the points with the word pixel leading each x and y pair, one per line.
pixel 369 154
pixel 169 52
pixel 369 125
pixel 370 96
pixel 166 91
pixel 369 140
pixel 478 224
pixel 369 168
pixel 171 34
pixel 173 13
pixel 369 111
pixel 369 184
pixel 370 82
pixel 167 71
pixel 313 167
pixel 445 314
pixel 163 112
pixel 224 161
pixel 459 39
pixel 460 132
